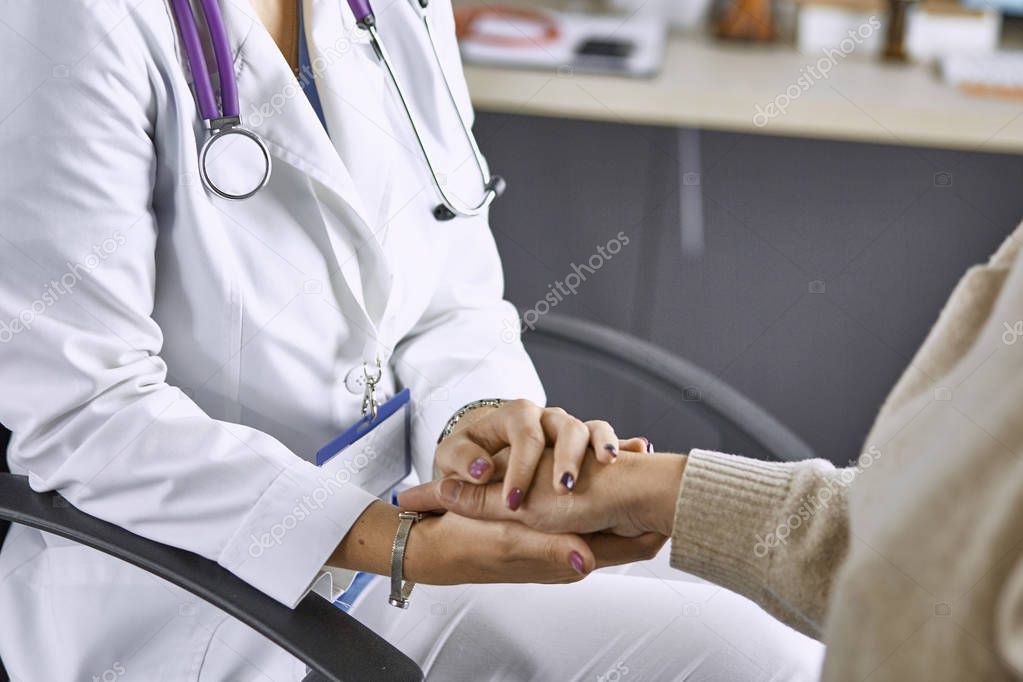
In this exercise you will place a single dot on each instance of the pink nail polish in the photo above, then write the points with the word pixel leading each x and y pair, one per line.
pixel 576 560
pixel 478 467
pixel 514 499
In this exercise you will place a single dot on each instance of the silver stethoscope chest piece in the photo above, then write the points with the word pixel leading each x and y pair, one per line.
pixel 234 163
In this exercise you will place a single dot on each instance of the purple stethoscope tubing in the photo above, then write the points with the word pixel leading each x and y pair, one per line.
pixel 197 59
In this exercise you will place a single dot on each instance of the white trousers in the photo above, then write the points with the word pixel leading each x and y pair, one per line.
pixel 650 624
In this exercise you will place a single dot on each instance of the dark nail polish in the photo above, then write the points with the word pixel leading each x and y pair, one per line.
pixel 613 449
pixel 478 467
pixel 649 446
pixel 568 480
pixel 576 560
pixel 514 499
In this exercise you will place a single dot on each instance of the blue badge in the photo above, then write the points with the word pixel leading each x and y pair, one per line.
pixel 377 453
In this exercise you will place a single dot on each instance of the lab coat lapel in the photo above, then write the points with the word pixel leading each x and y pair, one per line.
pixel 357 99
pixel 273 105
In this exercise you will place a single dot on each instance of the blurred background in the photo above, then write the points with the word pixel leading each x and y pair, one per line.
pixel 799 187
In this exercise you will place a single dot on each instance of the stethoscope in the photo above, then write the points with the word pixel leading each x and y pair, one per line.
pixel 223 120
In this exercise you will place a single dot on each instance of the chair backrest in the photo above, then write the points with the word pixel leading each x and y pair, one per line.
pixel 5 438
pixel 598 372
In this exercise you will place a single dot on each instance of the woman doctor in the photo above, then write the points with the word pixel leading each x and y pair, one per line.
pixel 171 361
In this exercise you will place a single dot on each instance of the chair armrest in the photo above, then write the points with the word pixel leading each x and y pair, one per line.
pixel 331 643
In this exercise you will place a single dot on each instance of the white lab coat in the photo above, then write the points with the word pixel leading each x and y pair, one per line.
pixel 171 361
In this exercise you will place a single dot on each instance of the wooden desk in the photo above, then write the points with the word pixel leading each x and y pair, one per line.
pixel 712 85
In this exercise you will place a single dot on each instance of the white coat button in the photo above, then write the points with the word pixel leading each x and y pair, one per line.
pixel 355 380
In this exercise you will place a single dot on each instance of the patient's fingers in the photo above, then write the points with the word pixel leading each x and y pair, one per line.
pixel 603 440
pixel 638 444
pixel 571 438
pixel 613 550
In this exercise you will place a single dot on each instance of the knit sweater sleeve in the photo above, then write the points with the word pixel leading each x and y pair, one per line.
pixel 773 532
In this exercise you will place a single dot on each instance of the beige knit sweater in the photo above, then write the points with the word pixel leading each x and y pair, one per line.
pixel 909 563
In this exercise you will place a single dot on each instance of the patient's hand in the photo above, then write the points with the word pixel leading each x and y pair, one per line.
pixel 634 496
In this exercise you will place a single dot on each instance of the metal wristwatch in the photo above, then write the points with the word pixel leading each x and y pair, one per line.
pixel 399 592
pixel 466 409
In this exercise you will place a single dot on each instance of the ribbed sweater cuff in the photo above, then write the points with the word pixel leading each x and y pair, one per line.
pixel 725 508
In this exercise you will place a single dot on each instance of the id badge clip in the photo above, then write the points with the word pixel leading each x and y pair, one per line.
pixel 376 451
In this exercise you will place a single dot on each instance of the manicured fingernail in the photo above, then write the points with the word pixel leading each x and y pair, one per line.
pixel 514 499
pixel 613 449
pixel 576 560
pixel 478 467
pixel 568 480
pixel 649 446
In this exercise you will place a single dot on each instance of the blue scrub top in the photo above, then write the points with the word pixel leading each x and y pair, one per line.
pixel 305 69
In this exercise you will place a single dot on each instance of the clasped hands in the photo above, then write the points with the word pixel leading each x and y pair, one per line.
pixel 535 495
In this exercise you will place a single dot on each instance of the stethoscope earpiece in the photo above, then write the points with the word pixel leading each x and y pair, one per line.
pixel 497 185
pixel 443 213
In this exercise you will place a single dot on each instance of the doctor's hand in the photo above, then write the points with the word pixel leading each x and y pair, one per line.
pixel 454 550
pixel 635 496
pixel 450 549
pixel 525 429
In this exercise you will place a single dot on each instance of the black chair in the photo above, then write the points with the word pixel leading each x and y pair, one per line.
pixel 332 644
